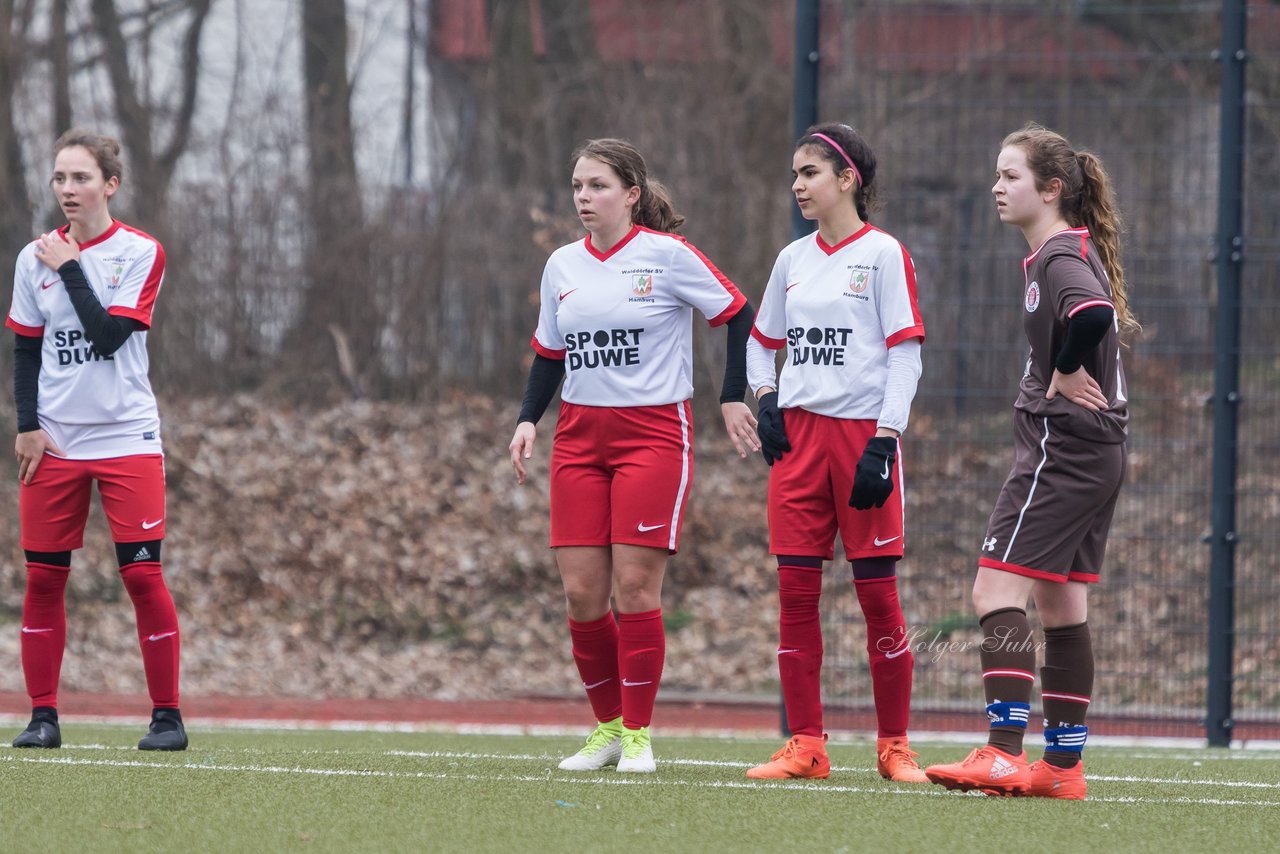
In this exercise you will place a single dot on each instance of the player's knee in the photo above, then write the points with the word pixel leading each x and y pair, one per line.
pixel 61 559
pixel 144 552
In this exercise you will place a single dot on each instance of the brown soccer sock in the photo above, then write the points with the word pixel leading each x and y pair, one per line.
pixel 1008 669
pixel 1066 687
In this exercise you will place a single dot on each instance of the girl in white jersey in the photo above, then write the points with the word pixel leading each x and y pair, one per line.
pixel 841 303
pixel 616 325
pixel 82 302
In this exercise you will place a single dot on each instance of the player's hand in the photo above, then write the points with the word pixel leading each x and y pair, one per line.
pixel 741 425
pixel 54 250
pixel 771 428
pixel 30 448
pixel 873 479
pixel 1079 388
pixel 521 447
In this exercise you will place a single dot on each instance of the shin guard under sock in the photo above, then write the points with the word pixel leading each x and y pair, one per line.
pixel 157 630
pixel 1008 669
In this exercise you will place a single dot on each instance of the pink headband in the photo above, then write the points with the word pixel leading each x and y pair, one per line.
pixel 840 151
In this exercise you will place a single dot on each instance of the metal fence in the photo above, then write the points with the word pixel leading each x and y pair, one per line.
pixel 935 87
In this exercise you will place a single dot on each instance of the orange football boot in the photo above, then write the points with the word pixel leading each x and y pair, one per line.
pixel 988 769
pixel 802 756
pixel 1050 781
pixel 895 760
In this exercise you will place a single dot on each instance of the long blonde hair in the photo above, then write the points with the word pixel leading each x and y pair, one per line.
pixel 1087 200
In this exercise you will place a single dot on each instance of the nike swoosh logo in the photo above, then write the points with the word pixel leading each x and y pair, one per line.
pixel 644 529
pixel 897 652
pixel 880 542
pixel 27 630
pixel 48 285
pixel 596 684
pixel 792 285
pixel 785 651
pixel 161 636
pixel 626 684
pixel 886 470
pixel 566 293
pixel 147 526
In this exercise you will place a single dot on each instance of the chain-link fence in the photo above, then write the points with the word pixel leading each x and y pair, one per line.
pixel 935 88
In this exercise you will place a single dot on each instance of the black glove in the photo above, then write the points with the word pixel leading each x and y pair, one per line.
pixel 770 429
pixel 873 479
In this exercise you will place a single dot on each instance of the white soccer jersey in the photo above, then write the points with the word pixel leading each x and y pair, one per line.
pixel 622 321
pixel 92 406
pixel 837 310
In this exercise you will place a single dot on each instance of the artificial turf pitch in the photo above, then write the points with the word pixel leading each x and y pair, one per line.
pixel 290 790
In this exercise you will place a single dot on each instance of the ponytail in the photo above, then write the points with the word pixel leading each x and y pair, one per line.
pixel 1087 200
pixel 655 210
pixel 1098 212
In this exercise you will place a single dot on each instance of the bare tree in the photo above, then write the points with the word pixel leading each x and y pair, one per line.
pixel 152 162
pixel 339 324
pixel 15 206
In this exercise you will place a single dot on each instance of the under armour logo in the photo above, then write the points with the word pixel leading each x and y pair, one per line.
pixel 989 544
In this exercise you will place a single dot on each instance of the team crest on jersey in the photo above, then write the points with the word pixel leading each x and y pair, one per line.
pixel 1033 296
pixel 858 283
pixel 642 284
pixel 115 274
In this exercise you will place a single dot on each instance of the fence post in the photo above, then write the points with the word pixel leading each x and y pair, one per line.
pixel 1229 253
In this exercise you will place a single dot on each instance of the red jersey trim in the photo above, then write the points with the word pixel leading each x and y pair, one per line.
pixel 734 307
pixel 1084 577
pixel 134 314
pixel 546 352
pixel 769 343
pixel 901 335
pixel 28 331
pixel 615 248
pixel 1082 233
pixel 1089 304
pixel 151 287
pixel 831 250
pixel 115 226
pixel 909 269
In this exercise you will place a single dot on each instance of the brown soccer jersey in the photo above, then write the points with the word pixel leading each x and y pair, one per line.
pixel 1064 276
pixel 1054 511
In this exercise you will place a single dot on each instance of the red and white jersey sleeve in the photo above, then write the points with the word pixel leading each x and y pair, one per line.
pixel 94 406
pixel 622 320
pixel 837 310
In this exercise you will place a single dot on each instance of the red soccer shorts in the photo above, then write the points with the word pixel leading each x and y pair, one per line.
pixel 621 475
pixel 55 505
pixel 809 492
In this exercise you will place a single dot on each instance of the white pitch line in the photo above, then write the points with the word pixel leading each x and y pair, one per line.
pixel 605 781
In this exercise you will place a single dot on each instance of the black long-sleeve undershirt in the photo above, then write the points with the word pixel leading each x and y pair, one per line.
pixel 544 379
pixel 26 380
pixel 734 387
pixel 106 332
pixel 1085 330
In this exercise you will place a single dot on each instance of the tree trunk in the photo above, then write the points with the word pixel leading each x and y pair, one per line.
pixel 339 324
pixel 15 206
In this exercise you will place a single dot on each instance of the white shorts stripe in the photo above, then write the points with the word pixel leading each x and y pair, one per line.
pixel 1044 458
pixel 684 475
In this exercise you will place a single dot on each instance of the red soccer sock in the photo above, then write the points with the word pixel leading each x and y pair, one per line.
pixel 595 650
pixel 800 646
pixel 44 631
pixel 157 630
pixel 890 655
pixel 642 649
